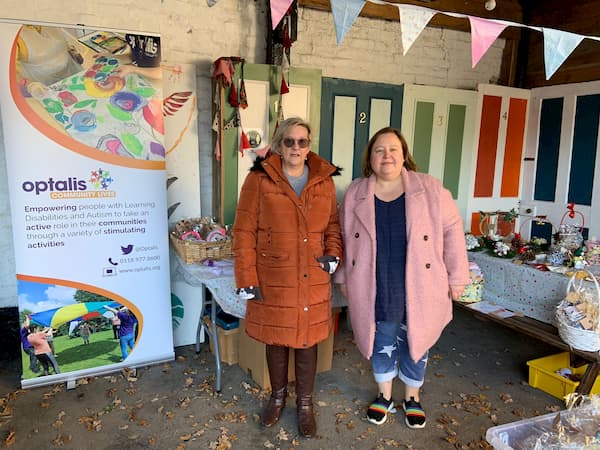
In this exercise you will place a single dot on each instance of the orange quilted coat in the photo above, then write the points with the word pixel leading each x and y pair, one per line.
pixel 277 238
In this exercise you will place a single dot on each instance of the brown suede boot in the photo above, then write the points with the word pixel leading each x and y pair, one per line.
pixel 306 369
pixel 277 362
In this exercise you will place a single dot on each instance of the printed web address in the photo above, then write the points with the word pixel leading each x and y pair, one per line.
pixel 140 269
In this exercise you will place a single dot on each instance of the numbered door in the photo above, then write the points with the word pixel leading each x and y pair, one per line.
pixel 351 112
pixel 562 160
pixel 498 172
pixel 439 124
pixel 262 83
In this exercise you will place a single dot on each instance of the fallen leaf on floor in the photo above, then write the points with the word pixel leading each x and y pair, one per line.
pixel 189 381
pixel 185 437
pixel 439 375
pixel 267 444
pixel 283 435
pixel 61 440
pixel 184 402
pixel 10 439
pixel 506 398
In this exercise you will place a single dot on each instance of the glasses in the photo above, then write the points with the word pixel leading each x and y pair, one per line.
pixel 302 142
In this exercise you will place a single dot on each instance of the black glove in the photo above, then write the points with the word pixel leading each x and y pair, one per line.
pixel 249 293
pixel 329 263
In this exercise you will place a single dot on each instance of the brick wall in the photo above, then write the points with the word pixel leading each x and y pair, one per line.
pixel 193 33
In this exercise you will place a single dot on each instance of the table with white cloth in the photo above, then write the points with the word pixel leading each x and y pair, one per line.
pixel 520 287
pixel 217 277
pixel 535 293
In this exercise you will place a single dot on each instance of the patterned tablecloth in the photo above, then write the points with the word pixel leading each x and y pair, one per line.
pixel 219 279
pixel 522 288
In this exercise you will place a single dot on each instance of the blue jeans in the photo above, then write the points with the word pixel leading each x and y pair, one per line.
pixel 391 356
pixel 126 341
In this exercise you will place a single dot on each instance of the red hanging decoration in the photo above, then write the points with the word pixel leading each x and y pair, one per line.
pixel 243 96
pixel 233 97
pixel 284 87
pixel 287 41
pixel 244 143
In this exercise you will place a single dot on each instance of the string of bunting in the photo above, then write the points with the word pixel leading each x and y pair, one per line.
pixel 558 45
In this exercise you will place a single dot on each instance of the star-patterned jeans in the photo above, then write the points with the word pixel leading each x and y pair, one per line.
pixel 391 356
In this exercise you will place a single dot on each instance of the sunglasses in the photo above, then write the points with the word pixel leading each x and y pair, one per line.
pixel 302 142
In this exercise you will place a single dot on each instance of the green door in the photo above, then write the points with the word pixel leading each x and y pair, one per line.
pixel 351 112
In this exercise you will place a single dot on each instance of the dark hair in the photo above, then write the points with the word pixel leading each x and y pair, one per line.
pixel 283 128
pixel 409 162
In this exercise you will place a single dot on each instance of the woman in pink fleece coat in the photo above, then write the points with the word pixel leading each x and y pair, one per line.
pixel 405 260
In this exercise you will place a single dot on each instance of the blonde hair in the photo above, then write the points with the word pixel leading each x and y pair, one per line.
pixel 283 128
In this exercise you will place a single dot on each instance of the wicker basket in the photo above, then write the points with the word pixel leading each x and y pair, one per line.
pixel 578 338
pixel 192 252
pixel 570 234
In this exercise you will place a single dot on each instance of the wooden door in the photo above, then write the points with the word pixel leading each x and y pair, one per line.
pixel 262 84
pixel 438 124
pixel 562 163
pixel 498 171
pixel 351 112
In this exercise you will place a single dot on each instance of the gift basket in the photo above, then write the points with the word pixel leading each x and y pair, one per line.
pixel 474 290
pixel 201 238
pixel 569 232
pixel 577 313
pixel 592 250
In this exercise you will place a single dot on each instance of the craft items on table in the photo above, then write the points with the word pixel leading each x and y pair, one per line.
pixel 199 239
pixel 113 113
pixel 474 290
pixel 570 233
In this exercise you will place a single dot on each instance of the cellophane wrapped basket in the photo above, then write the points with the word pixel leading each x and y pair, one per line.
pixel 577 313
pixel 185 239
pixel 592 255
pixel 474 290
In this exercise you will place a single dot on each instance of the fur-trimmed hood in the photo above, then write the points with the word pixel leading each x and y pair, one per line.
pixel 258 162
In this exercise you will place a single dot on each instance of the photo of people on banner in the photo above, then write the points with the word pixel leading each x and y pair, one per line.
pixel 100 88
pixel 64 329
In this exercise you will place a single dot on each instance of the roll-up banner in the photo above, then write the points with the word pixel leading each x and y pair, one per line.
pixel 83 135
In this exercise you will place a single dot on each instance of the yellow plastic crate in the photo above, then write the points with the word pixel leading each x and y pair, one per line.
pixel 542 375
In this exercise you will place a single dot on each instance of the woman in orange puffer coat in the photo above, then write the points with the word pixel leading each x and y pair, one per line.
pixel 287 243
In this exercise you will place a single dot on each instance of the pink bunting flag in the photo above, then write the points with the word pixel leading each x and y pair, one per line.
pixel 483 34
pixel 278 10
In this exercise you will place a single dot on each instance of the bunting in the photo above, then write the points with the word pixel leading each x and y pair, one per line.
pixel 345 13
pixel 483 34
pixel 558 45
pixel 278 10
pixel 413 21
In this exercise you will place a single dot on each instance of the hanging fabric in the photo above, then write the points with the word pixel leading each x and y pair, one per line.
pixel 243 97
pixel 233 97
pixel 284 87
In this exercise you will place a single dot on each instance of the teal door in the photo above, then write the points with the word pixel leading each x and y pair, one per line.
pixel 351 112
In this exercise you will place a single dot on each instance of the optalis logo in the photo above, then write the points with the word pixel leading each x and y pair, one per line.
pixel 73 187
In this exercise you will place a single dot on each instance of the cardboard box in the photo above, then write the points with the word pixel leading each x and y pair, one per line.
pixel 253 360
pixel 542 375
pixel 228 342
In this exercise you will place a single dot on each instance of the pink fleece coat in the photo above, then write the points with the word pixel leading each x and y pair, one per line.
pixel 436 257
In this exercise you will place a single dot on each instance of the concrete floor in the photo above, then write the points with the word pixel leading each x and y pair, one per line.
pixel 477 378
